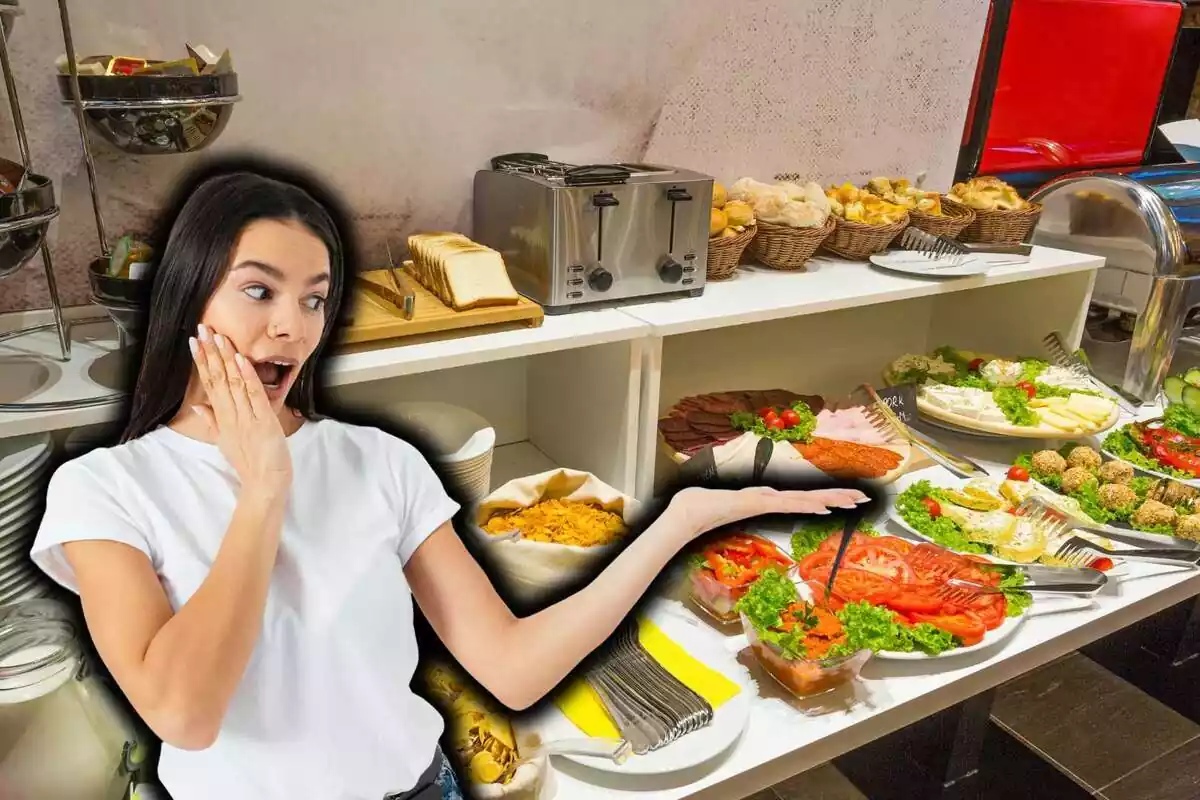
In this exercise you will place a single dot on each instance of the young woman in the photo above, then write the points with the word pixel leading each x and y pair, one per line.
pixel 247 568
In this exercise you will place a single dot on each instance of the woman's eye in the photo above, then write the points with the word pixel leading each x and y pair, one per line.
pixel 257 292
pixel 316 303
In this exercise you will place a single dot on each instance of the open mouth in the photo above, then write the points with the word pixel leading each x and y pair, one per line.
pixel 274 373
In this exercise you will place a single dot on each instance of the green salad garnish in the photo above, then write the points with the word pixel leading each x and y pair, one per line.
pixel 764 603
pixel 875 628
pixel 1014 402
pixel 941 530
pixel 797 423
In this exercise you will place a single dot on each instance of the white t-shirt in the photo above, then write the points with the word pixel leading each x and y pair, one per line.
pixel 324 709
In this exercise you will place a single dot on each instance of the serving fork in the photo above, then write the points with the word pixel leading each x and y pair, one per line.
pixel 959 590
pixel 891 427
pixel 1062 357
pixel 1075 549
pixel 942 247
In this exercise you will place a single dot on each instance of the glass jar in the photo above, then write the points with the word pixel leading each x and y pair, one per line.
pixel 63 735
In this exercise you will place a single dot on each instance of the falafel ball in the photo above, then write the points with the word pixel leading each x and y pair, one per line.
pixel 1153 514
pixel 1085 457
pixel 1115 472
pixel 1075 479
pixel 1188 527
pixel 1048 462
pixel 1114 496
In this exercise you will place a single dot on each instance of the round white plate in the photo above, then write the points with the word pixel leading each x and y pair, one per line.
pixel 23 482
pixel 913 263
pixel 690 750
pixel 19 454
pixel 940 478
pixel 990 639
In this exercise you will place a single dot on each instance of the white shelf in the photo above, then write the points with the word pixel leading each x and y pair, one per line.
pixel 32 361
pixel 423 354
pixel 757 294
pixel 518 460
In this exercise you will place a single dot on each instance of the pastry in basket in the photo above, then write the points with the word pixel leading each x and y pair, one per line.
pixel 783 203
pixel 988 194
pixel 482 737
pixel 728 217
pixel 900 192
pixel 858 205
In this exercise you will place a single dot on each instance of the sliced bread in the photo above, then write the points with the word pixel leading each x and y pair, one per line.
pixel 461 273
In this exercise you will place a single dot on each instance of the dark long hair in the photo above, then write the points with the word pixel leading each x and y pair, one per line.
pixel 193 246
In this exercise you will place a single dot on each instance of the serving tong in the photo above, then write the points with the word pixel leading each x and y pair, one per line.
pixel 885 421
pixel 947 566
pixel 1062 357
pixel 938 248
pixel 1076 550
pixel 650 706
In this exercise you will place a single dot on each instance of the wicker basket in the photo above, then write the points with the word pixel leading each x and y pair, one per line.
pixel 786 248
pixel 1002 227
pixel 725 254
pixel 954 219
pixel 858 241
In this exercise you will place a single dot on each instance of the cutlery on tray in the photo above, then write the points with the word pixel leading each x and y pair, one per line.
pixel 885 421
pixel 650 706
pixel 1062 357
pixel 1077 550
pixel 938 248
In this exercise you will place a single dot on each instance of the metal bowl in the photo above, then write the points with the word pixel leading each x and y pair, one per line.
pixel 24 217
pixel 155 114
pixel 111 290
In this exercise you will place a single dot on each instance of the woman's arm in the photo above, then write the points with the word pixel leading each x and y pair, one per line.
pixel 520 660
pixel 180 671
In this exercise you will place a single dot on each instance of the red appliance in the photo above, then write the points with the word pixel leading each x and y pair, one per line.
pixel 1064 85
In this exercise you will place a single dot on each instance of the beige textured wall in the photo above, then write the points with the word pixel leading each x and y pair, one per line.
pixel 399 103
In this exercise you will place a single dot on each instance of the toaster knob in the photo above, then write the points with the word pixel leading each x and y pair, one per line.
pixel 600 279
pixel 671 271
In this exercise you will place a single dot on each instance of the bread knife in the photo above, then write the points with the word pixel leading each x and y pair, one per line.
pixel 390 295
pixel 409 306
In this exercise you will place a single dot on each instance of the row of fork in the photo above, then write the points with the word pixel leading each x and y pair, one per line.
pixel 650 706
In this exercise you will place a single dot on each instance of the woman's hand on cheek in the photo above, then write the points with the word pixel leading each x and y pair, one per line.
pixel 239 414
pixel 699 510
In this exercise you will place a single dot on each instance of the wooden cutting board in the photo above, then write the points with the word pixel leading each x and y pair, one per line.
pixel 373 319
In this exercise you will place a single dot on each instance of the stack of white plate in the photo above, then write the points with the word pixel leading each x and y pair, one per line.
pixel 24 470
pixel 463 441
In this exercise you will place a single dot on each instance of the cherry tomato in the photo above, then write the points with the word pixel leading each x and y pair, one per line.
pixel 776 425
pixel 762 412
pixel 965 625
pixel 1102 564
pixel 1028 388
pixel 1016 473
pixel 790 418
pixel 935 510
pixel 770 417
pixel 975 365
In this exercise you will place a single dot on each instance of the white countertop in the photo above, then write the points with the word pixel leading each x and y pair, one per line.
pixel 758 294
pixel 780 742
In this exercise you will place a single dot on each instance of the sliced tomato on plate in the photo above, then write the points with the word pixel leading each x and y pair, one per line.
pixel 991 610
pixel 854 585
pixel 964 625
pixel 894 543
pixel 915 599
pixel 880 560
pixel 832 542
pixel 816 565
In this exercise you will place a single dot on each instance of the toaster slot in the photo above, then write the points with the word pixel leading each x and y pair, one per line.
pixel 602 200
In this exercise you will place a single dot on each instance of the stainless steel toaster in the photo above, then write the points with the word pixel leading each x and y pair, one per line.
pixel 578 235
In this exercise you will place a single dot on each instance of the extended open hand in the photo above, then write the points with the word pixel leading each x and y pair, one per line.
pixel 701 510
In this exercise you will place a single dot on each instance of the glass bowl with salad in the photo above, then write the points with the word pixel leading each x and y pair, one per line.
pixel 724 568
pixel 796 638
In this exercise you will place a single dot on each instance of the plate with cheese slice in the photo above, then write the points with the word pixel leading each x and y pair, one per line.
pixel 990 395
